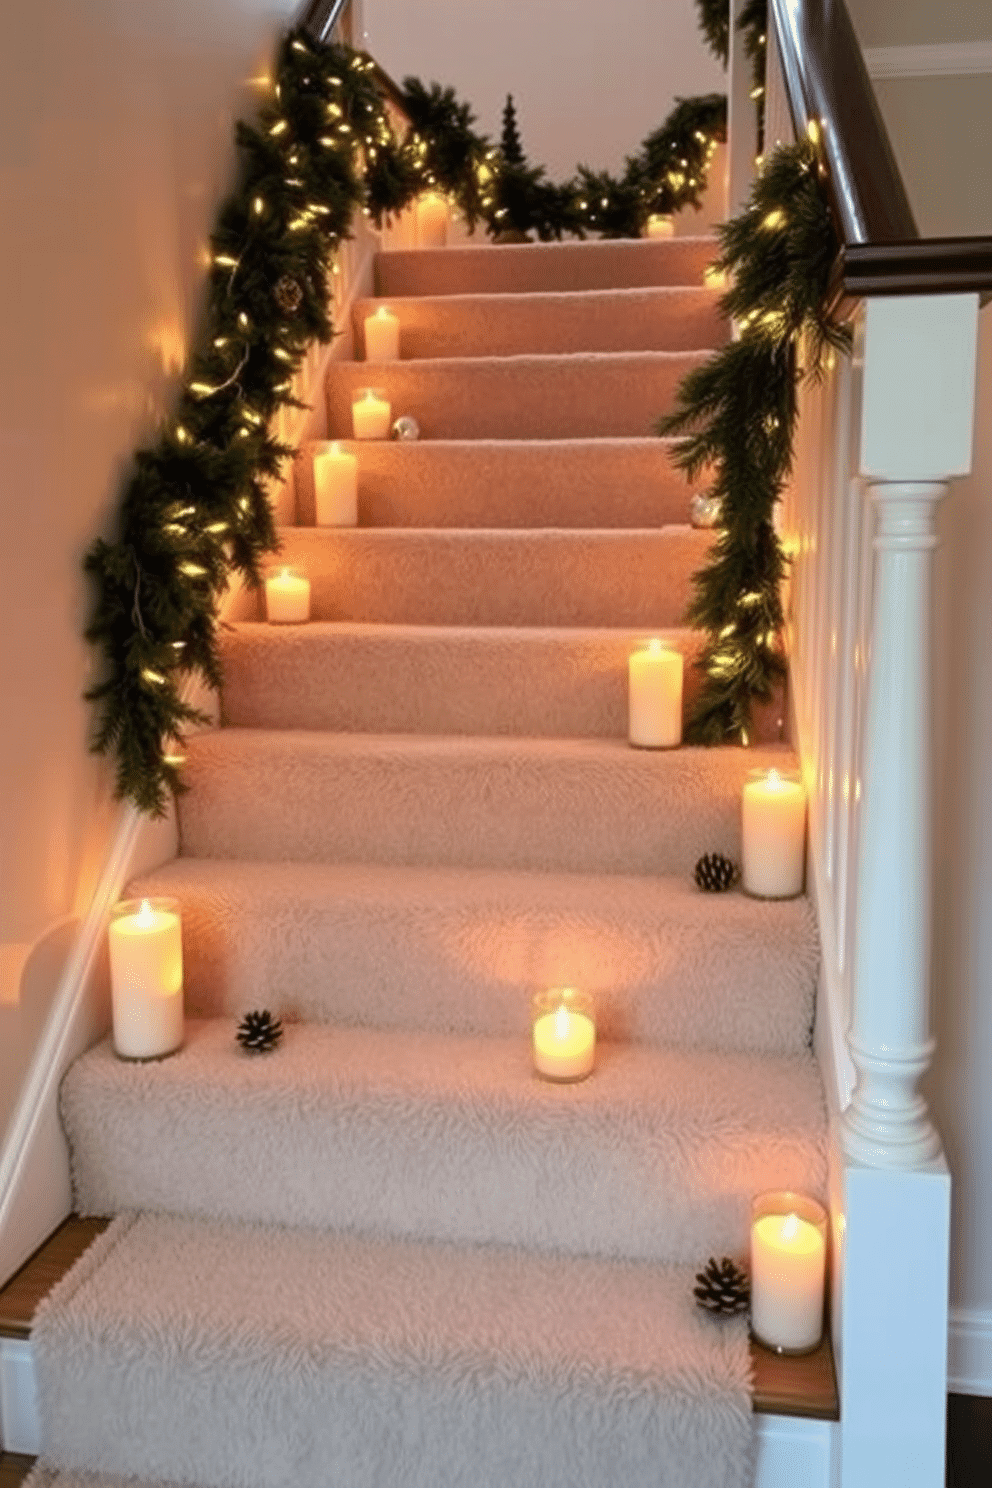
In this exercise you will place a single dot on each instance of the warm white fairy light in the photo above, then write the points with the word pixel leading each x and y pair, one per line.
pixel 279 127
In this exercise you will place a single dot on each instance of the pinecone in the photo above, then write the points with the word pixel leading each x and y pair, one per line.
pixel 715 873
pixel 259 1032
pixel 722 1288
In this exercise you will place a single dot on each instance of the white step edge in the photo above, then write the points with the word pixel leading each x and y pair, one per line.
pixel 790 1450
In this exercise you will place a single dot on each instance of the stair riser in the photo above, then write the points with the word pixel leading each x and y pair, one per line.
pixel 460 953
pixel 451 1140
pixel 571 806
pixel 528 483
pixel 544 268
pixel 515 325
pixel 593 396
pixel 507 579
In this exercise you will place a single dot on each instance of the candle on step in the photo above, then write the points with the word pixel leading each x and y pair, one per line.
pixel 371 414
pixel 655 696
pixel 788 1267
pixel 287 597
pixel 335 486
pixel 382 336
pixel 773 811
pixel 659 226
pixel 564 1034
pixel 146 978
pixel 432 220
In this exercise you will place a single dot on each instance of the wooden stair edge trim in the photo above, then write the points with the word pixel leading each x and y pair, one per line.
pixel 14 1468
pixel 803 1385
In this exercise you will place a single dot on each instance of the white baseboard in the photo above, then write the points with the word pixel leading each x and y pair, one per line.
pixel 942 59
pixel 969 1352
pixel 20 1428
pixel 794 1452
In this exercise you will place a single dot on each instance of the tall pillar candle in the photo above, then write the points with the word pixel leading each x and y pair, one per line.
pixel 564 1034
pixel 287 598
pixel 371 414
pixel 335 486
pixel 382 336
pixel 788 1269
pixel 659 226
pixel 146 978
pixel 655 697
pixel 432 221
pixel 773 822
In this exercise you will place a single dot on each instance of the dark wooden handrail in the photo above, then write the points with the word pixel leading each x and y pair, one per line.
pixel 828 87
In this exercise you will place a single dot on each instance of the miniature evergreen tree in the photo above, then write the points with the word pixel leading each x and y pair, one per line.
pixel 510 146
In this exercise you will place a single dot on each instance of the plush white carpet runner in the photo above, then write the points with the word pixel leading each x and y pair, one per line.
pixel 388 1255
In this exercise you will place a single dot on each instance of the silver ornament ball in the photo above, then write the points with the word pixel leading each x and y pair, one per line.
pixel 705 510
pixel 406 427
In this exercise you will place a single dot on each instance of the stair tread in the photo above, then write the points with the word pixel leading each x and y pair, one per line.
pixel 352 1359
pixel 460 950
pixel 585 805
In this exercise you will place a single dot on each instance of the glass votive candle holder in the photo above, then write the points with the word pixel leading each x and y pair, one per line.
pixel 146 977
pixel 773 834
pixel 564 1033
pixel 287 597
pixel 788 1271
pixel 371 413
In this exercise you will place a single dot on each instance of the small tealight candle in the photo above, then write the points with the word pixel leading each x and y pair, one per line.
pixel 659 226
pixel 287 598
pixel 371 414
pixel 146 978
pixel 382 336
pixel 335 486
pixel 655 697
pixel 432 220
pixel 564 1034
pixel 773 811
pixel 788 1267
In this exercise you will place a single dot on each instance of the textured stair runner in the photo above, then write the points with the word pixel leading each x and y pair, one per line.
pixel 388 1253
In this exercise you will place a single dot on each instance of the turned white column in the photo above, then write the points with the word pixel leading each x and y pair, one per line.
pixel 918 359
pixel 886 1124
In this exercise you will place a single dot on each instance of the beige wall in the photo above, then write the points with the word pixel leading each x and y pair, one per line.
pixel 116 145
pixel 589 80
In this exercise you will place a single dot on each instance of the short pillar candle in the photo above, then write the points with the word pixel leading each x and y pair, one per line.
pixel 655 697
pixel 773 827
pixel 287 597
pixel 371 414
pixel 659 226
pixel 382 336
pixel 432 220
pixel 788 1269
pixel 335 487
pixel 564 1034
pixel 146 978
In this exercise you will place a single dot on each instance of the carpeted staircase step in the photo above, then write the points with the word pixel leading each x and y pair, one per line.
pixel 458 950
pixel 439 1137
pixel 535 267
pixel 215 1354
pixel 475 576
pixel 572 805
pixel 672 318
pixel 509 483
pixel 582 395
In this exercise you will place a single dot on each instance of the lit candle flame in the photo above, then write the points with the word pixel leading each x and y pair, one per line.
pixel 773 779
pixel 561 1022
pixel 145 917
pixel 654 647
pixel 790 1227
pixel 381 313
pixel 336 447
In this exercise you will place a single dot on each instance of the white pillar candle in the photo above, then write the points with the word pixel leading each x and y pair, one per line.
pixel 655 697
pixel 659 226
pixel 382 336
pixel 371 414
pixel 564 1034
pixel 146 978
pixel 432 221
pixel 788 1267
pixel 335 486
pixel 774 835
pixel 287 598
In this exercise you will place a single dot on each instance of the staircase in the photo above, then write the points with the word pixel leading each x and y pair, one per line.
pixel 388 1253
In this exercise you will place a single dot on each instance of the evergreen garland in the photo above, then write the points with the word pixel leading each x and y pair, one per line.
pixel 736 416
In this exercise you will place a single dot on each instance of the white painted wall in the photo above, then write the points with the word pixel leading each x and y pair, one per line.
pixel 115 148
pixel 589 80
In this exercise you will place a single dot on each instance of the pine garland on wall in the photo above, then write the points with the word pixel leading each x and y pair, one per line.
pixel 736 417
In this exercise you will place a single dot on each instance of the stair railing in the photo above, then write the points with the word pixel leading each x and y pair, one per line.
pixel 877 444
